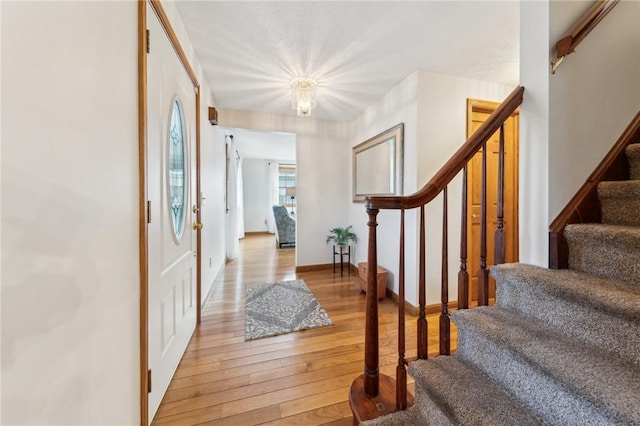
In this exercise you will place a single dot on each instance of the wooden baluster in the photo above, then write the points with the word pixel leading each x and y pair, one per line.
pixel 483 273
pixel 498 254
pixel 422 318
pixel 463 275
pixel 371 374
pixel 445 321
pixel 401 370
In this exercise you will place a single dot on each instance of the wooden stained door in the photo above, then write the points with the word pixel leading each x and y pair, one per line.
pixel 477 112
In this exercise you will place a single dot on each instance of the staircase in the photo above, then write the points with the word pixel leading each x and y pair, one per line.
pixel 559 347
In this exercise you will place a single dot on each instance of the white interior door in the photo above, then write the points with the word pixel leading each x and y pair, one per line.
pixel 171 190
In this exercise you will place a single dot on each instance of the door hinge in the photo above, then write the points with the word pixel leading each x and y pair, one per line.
pixel 149 381
pixel 149 211
pixel 148 42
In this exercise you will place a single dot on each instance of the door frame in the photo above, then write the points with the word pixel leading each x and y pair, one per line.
pixel 488 107
pixel 143 234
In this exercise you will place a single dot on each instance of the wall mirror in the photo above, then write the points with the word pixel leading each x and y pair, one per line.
pixel 377 165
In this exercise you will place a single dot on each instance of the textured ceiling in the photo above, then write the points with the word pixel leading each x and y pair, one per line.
pixel 357 51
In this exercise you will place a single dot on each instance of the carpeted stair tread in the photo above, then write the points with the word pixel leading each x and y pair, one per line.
pixel 466 395
pixel 600 311
pixel 620 202
pixel 564 380
pixel 610 251
pixel 633 155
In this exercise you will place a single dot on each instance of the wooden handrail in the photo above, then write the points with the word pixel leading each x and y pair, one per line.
pixel 456 163
pixel 583 27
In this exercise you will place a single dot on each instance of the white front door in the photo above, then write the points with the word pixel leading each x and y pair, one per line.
pixel 171 182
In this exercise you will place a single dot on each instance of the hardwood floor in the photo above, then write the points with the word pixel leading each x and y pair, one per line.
pixel 300 378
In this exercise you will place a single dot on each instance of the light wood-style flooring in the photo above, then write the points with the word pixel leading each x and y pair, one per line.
pixel 300 378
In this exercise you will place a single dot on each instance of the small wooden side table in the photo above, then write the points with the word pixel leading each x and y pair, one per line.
pixel 363 270
pixel 341 252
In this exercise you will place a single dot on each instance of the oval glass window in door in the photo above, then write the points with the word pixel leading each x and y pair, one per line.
pixel 177 169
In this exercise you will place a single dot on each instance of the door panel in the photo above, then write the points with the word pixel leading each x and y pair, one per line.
pixel 172 260
pixel 474 176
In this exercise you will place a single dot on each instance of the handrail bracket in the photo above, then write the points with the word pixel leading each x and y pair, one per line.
pixel 556 63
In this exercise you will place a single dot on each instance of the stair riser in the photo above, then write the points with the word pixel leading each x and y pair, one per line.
pixel 634 163
pixel 548 398
pixel 621 211
pixel 606 331
pixel 635 170
pixel 604 259
pixel 429 409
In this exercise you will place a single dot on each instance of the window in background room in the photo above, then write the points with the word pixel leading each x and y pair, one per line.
pixel 287 186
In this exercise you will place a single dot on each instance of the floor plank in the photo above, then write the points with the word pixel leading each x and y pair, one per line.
pixel 300 378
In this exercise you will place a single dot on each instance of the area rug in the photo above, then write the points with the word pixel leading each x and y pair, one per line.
pixel 282 307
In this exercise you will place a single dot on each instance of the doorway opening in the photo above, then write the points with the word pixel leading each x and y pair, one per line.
pixel 267 176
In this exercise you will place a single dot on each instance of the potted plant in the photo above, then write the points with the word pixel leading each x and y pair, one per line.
pixel 342 236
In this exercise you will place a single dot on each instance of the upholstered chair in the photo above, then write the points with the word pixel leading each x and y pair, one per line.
pixel 285 227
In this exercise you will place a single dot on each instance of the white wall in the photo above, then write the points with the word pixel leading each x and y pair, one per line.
pixel 212 167
pixel 399 105
pixel 213 215
pixel 257 194
pixel 433 108
pixel 322 176
pixel 593 96
pixel 569 120
pixel 442 129
pixel 533 198
pixel 70 299
pixel 70 270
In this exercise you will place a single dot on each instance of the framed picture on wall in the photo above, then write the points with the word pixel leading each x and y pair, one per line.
pixel 378 165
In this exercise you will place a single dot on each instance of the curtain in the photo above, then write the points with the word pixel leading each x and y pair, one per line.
pixel 240 199
pixel 232 200
pixel 274 199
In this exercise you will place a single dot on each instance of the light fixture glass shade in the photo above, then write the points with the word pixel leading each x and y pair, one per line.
pixel 303 96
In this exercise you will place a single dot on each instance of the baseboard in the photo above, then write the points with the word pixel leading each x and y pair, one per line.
pixel 252 233
pixel 311 268
pixel 323 267
pixel 408 307
pixel 217 279
pixel 414 310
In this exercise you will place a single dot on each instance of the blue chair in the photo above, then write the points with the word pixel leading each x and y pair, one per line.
pixel 285 227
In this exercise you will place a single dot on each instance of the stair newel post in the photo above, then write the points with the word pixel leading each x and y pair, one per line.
pixel 371 350
pixel 445 321
pixel 401 370
pixel 422 318
pixel 498 256
pixel 463 275
pixel 483 273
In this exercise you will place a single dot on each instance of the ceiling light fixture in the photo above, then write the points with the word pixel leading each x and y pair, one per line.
pixel 303 95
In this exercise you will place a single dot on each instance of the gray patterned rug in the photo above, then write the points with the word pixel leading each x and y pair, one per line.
pixel 282 307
